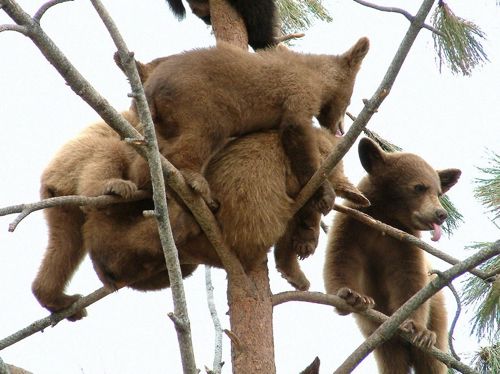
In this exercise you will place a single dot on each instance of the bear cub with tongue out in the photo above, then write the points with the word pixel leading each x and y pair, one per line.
pixel 371 270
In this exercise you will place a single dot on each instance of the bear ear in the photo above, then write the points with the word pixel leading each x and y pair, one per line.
pixel 370 154
pixel 448 177
pixel 357 53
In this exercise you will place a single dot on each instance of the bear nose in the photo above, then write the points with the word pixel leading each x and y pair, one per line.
pixel 441 215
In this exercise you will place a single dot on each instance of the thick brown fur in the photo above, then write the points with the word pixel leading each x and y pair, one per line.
pixel 94 163
pixel 370 269
pixel 256 198
pixel 201 98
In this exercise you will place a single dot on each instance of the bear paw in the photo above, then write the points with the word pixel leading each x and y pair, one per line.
pixel 200 185
pixel 324 198
pixel 422 337
pixel 355 300
pixel 298 280
pixel 304 242
pixel 120 187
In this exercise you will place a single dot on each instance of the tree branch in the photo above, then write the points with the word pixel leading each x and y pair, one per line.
pixel 40 12
pixel 54 318
pixel 74 200
pixel 407 15
pixel 387 329
pixel 217 364
pixel 455 319
pixel 20 29
pixel 371 107
pixel 373 315
pixel 406 238
pixel 180 315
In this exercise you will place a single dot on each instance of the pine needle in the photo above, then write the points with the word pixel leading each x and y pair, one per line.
pixel 458 43
pixel 487 189
pixel 298 15
pixel 487 360
pixel 484 297
pixel 454 217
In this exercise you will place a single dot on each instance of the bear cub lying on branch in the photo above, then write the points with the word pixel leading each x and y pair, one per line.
pixel 201 98
pixel 369 269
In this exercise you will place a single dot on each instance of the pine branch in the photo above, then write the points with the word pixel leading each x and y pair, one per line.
pixel 458 43
pixel 487 359
pixel 484 298
pixel 487 189
pixel 298 15
pixel 407 238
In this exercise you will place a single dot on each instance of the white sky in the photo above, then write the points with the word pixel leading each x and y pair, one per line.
pixel 449 120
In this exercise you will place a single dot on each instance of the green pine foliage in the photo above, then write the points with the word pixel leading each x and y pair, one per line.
pixel 484 298
pixel 487 360
pixel 298 15
pixel 458 41
pixel 487 189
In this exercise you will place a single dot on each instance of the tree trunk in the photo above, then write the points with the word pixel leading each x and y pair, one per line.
pixel 250 306
pixel 251 318
pixel 227 24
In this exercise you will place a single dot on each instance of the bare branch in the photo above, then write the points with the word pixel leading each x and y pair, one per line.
pixel 371 106
pixel 405 13
pixel 388 328
pixel 406 238
pixel 20 29
pixel 284 38
pixel 373 315
pixel 455 319
pixel 40 12
pixel 74 200
pixel 217 364
pixel 180 315
pixel 54 318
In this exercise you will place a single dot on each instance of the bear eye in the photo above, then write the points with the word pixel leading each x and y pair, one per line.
pixel 420 188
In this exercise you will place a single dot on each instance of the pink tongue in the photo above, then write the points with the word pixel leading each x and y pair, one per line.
pixel 436 234
pixel 338 134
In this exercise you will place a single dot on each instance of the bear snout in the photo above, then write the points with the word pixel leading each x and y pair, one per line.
pixel 440 215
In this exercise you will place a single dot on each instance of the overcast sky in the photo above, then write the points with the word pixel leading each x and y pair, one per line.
pixel 447 119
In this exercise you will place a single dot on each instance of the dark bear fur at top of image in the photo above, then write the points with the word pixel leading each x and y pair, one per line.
pixel 256 196
pixel 201 98
pixel 259 16
pixel 369 269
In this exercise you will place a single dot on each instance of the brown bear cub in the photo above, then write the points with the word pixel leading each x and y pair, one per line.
pixel 369 269
pixel 201 98
pixel 92 164
pixel 256 196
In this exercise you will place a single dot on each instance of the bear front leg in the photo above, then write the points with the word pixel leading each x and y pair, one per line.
pixel 305 231
pixel 300 145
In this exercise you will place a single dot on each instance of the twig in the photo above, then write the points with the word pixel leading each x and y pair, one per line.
pixel 180 315
pixel 387 329
pixel 455 319
pixel 371 106
pixel 21 29
pixel 405 237
pixel 74 200
pixel 373 315
pixel 54 318
pixel 284 38
pixel 40 12
pixel 405 13
pixel 217 364
pixel 233 337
